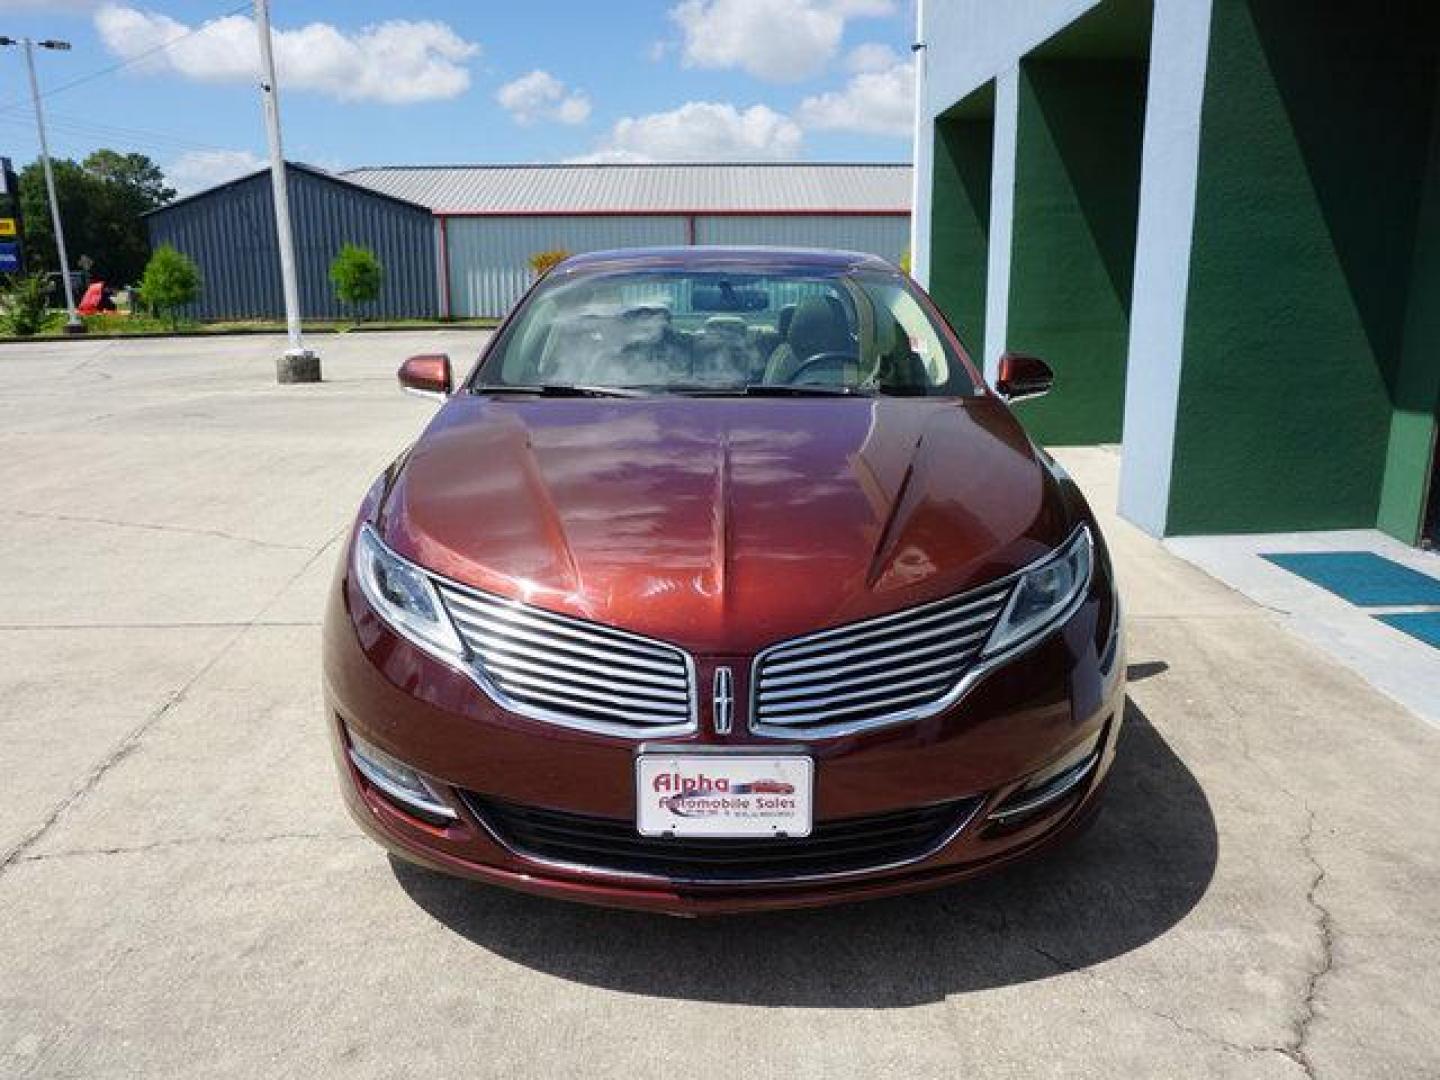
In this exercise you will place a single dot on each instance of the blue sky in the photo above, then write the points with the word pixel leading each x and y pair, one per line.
pixel 370 82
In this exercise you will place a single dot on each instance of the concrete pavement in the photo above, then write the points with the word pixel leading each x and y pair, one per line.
pixel 181 893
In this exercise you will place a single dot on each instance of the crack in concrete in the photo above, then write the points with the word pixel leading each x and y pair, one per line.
pixel 131 740
pixel 187 841
pixel 1063 965
pixel 1298 1048
pixel 121 750
pixel 182 530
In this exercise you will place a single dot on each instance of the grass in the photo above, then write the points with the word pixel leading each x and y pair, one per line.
pixel 139 325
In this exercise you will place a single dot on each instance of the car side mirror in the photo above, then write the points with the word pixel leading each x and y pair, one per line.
pixel 427 375
pixel 1022 377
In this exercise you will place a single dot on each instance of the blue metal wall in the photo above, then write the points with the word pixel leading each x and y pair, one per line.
pixel 885 235
pixel 230 233
pixel 488 256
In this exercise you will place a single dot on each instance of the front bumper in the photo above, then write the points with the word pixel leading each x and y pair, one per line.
pixel 1065 693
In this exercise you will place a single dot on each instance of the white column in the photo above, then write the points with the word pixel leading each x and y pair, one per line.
pixel 921 160
pixel 1169 167
pixel 1002 216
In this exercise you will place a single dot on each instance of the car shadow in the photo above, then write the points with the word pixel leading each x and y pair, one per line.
pixel 1145 863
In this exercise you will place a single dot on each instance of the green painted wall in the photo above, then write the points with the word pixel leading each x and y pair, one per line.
pixel 1312 153
pixel 1077 181
pixel 960 222
pixel 1416 386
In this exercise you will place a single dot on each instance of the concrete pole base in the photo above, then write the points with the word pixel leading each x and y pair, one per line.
pixel 302 367
pixel 76 327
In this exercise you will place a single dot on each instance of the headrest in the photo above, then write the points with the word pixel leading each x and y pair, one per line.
pixel 819 326
pixel 725 326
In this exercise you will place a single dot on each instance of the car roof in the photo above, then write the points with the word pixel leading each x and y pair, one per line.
pixel 753 258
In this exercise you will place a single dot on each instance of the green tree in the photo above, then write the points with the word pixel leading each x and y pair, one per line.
pixel 356 275
pixel 171 281
pixel 24 306
pixel 135 174
pixel 102 200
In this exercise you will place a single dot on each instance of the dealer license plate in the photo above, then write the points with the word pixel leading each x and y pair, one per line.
pixel 722 795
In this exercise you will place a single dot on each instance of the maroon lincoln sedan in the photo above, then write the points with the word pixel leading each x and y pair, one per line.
pixel 723 582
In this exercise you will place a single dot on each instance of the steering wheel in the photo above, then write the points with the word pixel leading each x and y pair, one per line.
pixel 815 360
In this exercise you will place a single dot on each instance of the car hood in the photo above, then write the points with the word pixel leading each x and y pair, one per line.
pixel 724 524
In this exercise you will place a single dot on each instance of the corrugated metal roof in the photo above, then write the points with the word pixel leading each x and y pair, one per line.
pixel 552 189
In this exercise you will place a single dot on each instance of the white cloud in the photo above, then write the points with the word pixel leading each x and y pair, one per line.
pixel 871 57
pixel 702 131
pixel 873 102
pixel 395 62
pixel 541 96
pixel 776 40
pixel 196 170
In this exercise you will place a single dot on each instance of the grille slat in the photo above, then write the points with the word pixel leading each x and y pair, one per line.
pixel 847 845
pixel 513 636
pixel 890 687
pixel 658 687
pixel 504 621
pixel 930 637
pixel 934 655
pixel 567 671
pixel 563 681
pixel 872 672
pixel 946 618
pixel 548 659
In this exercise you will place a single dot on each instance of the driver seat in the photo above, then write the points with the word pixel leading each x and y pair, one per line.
pixel 818 326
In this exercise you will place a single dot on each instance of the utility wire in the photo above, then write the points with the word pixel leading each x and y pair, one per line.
pixel 137 136
pixel 110 69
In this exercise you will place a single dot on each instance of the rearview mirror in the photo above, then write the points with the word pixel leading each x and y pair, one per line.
pixel 1022 377
pixel 427 375
pixel 727 297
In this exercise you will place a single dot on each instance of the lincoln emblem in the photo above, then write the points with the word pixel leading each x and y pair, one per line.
pixel 724 700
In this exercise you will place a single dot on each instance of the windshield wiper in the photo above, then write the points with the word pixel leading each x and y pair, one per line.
pixel 558 390
pixel 802 390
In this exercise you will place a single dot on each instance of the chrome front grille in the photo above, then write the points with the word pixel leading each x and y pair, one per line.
pixel 880 671
pixel 572 672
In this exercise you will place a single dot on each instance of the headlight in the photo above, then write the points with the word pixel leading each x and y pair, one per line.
pixel 1045 594
pixel 402 595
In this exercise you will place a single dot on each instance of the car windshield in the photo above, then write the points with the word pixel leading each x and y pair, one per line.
pixel 720 332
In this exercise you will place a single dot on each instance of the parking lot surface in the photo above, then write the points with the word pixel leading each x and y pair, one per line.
pixel 182 894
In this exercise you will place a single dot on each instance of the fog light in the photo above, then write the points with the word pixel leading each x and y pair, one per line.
pixel 1050 784
pixel 398 780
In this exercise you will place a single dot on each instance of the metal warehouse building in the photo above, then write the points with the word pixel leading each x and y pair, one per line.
pixel 230 233
pixel 491 218
pixel 456 241
pixel 1219 220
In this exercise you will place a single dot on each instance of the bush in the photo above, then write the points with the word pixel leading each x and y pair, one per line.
pixel 26 305
pixel 171 281
pixel 542 262
pixel 356 275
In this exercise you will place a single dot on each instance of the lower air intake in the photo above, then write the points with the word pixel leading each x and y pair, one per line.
pixel 846 846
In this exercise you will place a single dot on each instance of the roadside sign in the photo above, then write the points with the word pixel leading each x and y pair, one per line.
pixel 9 258
pixel 7 226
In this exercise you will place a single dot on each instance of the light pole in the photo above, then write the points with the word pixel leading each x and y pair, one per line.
pixel 298 364
pixel 919 253
pixel 73 325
